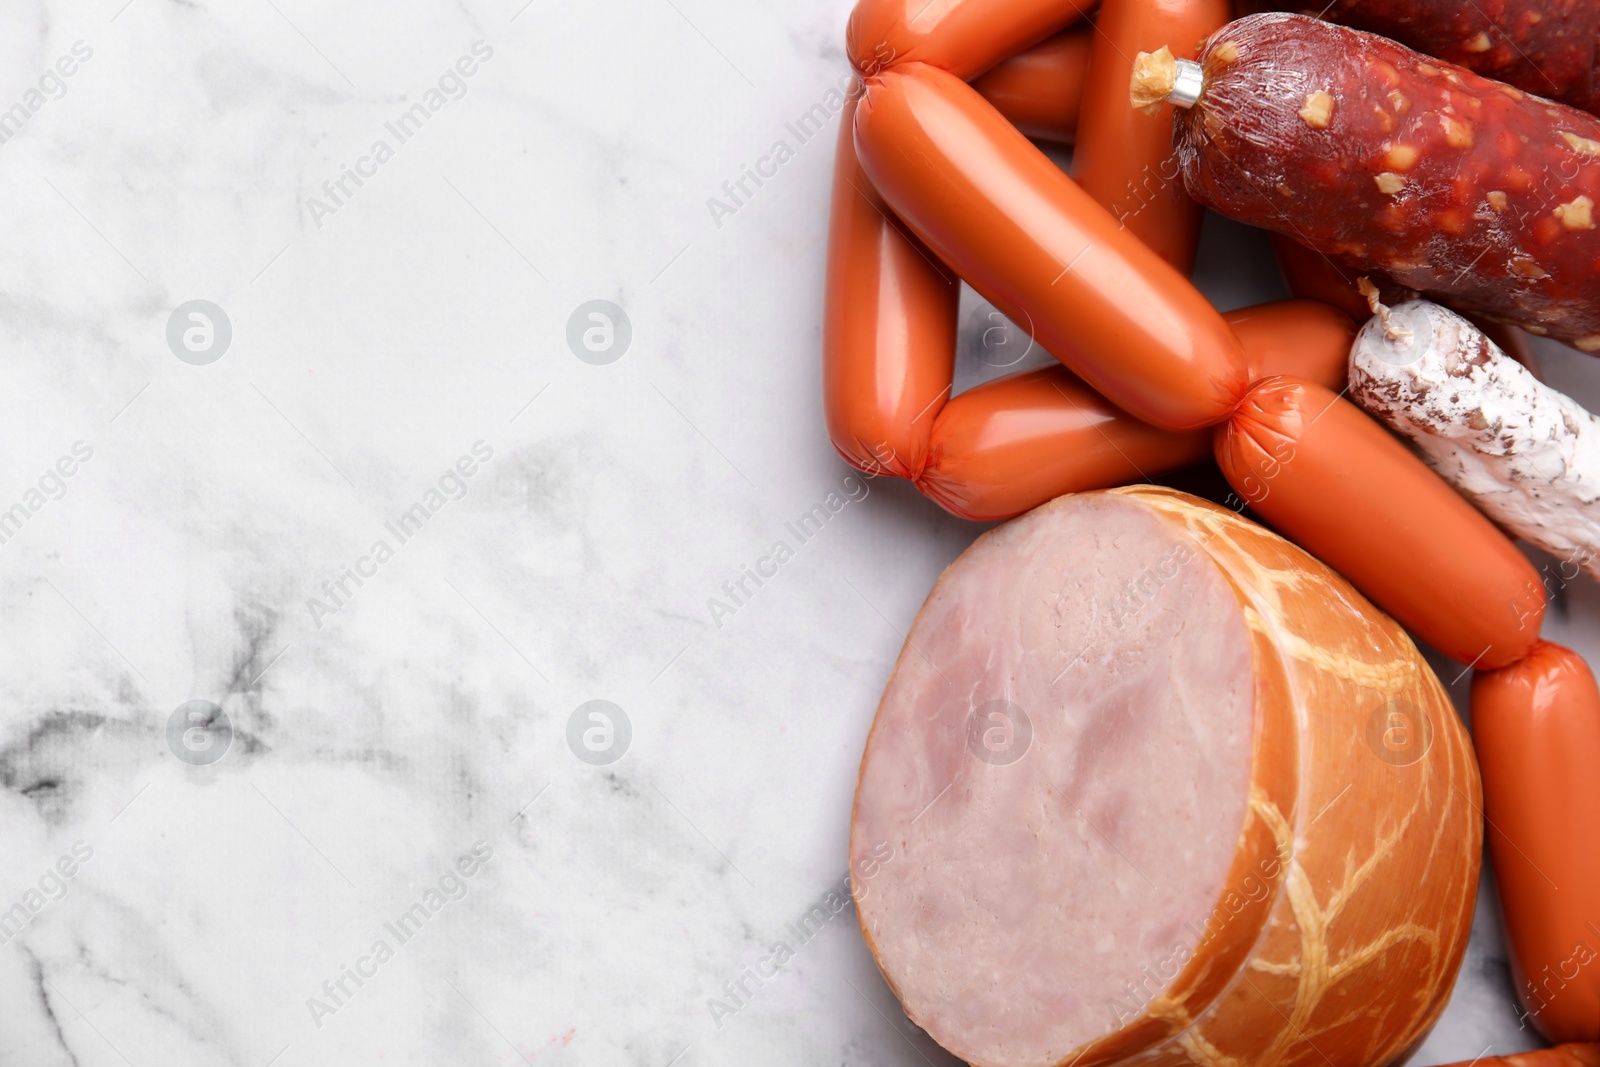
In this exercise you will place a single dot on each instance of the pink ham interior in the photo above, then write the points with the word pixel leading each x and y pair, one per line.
pixel 1021 907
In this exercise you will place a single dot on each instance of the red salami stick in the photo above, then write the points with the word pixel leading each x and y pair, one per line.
pixel 1465 189
pixel 1547 47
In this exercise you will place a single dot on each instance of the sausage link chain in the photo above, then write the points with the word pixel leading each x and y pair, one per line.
pixel 934 183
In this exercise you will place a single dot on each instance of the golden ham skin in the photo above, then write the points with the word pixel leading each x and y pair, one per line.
pixel 1325 475
pixel 1023 234
pixel 1125 158
pixel 1040 91
pixel 1371 849
pixel 1537 724
pixel 889 327
pixel 1325 982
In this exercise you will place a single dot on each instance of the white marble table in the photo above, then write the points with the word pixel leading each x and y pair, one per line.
pixel 400 534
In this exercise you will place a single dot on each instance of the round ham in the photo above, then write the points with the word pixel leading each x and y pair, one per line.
pixel 1151 785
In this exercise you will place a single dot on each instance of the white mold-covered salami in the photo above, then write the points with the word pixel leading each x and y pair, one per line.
pixel 1150 785
pixel 1525 454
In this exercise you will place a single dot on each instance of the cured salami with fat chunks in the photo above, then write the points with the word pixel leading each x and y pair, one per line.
pixel 1467 190
pixel 1151 785
pixel 1546 47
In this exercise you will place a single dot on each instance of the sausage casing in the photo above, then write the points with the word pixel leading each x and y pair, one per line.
pixel 964 38
pixel 1546 47
pixel 1124 158
pixel 889 328
pixel 1536 726
pixel 1337 484
pixel 1024 235
pixel 1009 445
pixel 1040 91
pixel 1466 190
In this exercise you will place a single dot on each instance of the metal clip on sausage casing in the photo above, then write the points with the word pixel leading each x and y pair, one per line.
pixel 1188 85
pixel 1159 77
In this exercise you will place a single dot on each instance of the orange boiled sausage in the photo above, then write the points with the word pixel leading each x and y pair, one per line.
pixel 965 38
pixel 1536 727
pixel 1023 234
pixel 1582 1055
pixel 1337 484
pixel 1040 91
pixel 1009 445
pixel 1014 443
pixel 889 328
pixel 1309 273
pixel 1306 338
pixel 1124 157
pixel 1513 341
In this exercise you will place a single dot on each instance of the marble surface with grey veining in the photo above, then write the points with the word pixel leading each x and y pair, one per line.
pixel 382 678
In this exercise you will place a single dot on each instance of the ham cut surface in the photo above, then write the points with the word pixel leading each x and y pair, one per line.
pixel 1155 786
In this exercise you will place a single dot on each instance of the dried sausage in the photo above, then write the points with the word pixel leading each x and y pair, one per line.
pixel 1466 190
pixel 1527 455
pixel 1318 277
pixel 1546 47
